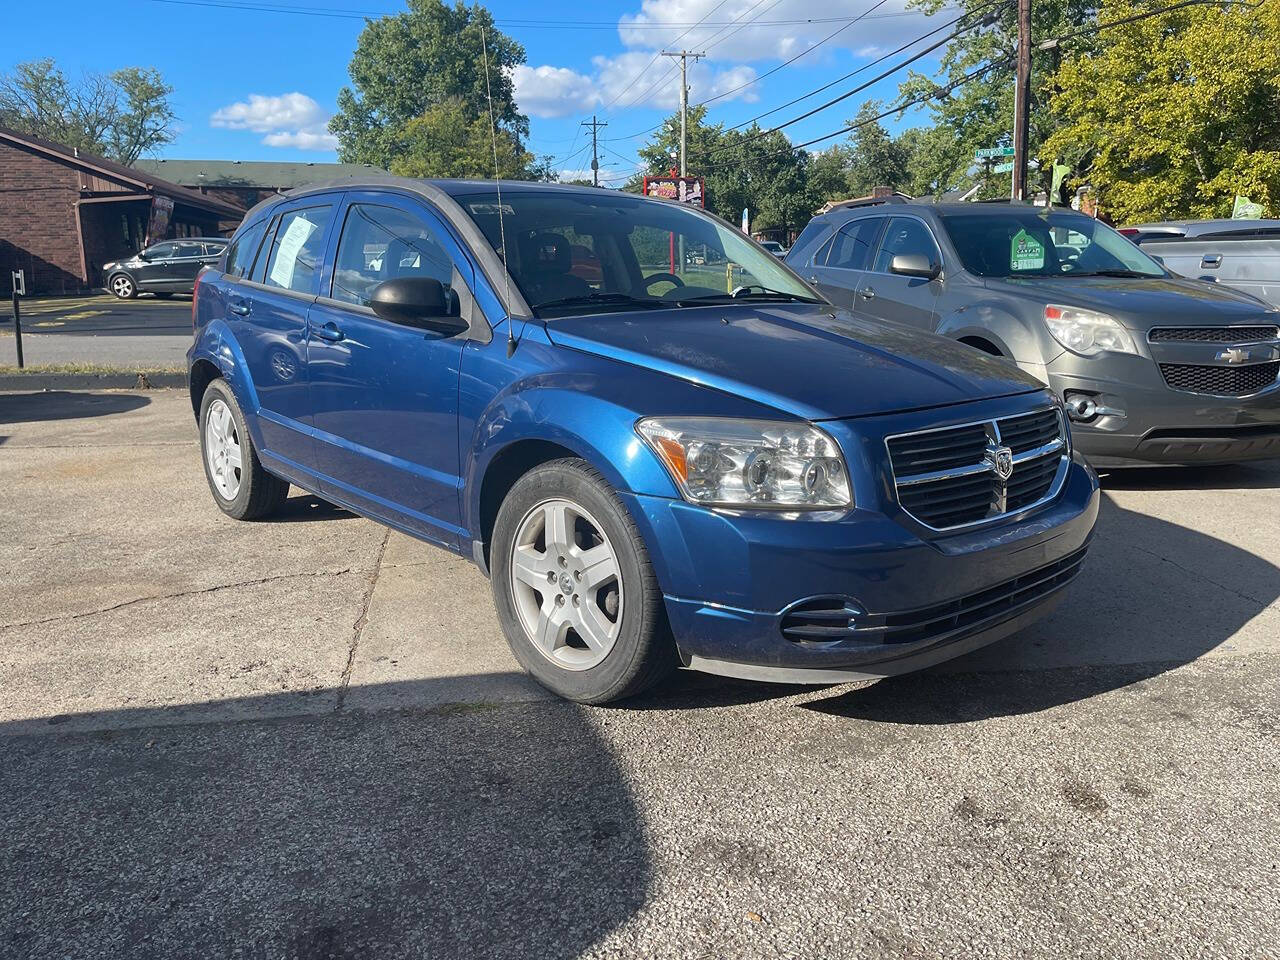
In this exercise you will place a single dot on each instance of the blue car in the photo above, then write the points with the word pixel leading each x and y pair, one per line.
pixel 657 463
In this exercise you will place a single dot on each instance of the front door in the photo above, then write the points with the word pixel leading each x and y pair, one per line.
pixel 891 296
pixel 187 259
pixel 384 395
pixel 157 265
pixel 268 315
pixel 839 266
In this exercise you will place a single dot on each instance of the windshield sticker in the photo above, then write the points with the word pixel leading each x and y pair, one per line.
pixel 287 252
pixel 491 209
pixel 1026 252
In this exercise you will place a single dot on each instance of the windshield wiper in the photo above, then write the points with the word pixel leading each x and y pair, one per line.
pixel 589 299
pixel 746 293
pixel 1113 273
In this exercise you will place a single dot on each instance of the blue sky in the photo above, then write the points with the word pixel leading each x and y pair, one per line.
pixel 253 84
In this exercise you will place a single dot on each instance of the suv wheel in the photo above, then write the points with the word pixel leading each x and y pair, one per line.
pixel 574 588
pixel 240 486
pixel 122 286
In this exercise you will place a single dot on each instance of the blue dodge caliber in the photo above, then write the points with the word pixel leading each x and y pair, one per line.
pixel 660 460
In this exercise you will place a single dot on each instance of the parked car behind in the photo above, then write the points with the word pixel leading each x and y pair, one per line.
pixel 1244 254
pixel 653 472
pixel 774 247
pixel 1153 368
pixel 163 268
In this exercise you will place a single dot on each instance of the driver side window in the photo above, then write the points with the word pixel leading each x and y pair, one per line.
pixel 383 243
pixel 905 235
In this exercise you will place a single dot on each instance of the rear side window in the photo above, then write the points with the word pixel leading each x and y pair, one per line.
pixel 851 248
pixel 808 241
pixel 243 250
pixel 294 258
pixel 905 235
pixel 187 250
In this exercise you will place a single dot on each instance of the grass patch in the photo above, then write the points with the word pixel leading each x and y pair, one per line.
pixel 88 369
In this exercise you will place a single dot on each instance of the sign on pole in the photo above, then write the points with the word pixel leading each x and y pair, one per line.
pixel 1003 167
pixel 680 189
pixel 989 153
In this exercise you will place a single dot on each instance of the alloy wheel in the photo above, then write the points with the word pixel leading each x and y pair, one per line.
pixel 566 584
pixel 222 450
pixel 122 287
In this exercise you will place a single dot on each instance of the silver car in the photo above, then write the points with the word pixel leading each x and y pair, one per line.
pixel 1154 368
pixel 1244 254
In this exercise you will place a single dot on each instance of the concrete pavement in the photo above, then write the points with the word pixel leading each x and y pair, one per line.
pixel 306 738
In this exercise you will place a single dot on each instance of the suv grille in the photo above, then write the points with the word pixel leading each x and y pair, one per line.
pixel 948 478
pixel 1212 334
pixel 1221 381
pixel 838 620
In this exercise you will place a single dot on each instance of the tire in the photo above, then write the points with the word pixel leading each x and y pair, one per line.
pixel 566 604
pixel 122 286
pixel 247 491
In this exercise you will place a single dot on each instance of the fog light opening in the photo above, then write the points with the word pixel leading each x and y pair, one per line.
pixel 1081 407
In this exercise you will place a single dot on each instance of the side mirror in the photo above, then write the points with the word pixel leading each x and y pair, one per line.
pixel 418 302
pixel 1157 258
pixel 144 255
pixel 914 265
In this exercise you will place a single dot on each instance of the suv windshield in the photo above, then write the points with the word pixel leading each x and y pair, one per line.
pixel 1031 244
pixel 572 253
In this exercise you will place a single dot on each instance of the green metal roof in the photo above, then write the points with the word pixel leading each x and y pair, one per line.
pixel 251 173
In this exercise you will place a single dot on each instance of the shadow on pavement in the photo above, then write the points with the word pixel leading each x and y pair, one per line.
pixel 306 508
pixel 1261 474
pixel 463 831
pixel 1154 596
pixel 65 405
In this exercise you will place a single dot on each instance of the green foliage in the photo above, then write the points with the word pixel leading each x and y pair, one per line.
pixel 120 115
pixel 407 66
pixel 1176 114
pixel 446 141
pixel 876 158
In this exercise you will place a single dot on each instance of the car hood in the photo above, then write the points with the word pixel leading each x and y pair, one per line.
pixel 1143 303
pixel 799 358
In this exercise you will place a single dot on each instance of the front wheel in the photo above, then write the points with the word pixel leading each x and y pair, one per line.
pixel 123 287
pixel 575 591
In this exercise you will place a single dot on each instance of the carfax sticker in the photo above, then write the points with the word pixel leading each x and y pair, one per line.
pixel 1026 252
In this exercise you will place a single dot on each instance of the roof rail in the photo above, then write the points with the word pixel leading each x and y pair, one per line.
pixel 870 201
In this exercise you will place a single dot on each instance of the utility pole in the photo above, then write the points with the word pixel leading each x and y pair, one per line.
pixel 1022 102
pixel 684 56
pixel 595 125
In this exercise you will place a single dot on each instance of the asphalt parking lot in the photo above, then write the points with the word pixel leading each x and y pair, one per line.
pixel 306 738
pixel 99 330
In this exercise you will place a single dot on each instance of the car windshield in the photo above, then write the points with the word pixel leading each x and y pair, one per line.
pixel 1039 244
pixel 605 251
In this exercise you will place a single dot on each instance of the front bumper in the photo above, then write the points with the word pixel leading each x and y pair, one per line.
pixel 732 580
pixel 1161 425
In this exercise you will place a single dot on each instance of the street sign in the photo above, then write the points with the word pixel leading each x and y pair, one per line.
pixel 1003 167
pixel 987 153
pixel 19 283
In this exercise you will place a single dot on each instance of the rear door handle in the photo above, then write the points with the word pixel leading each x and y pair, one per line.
pixel 1211 261
pixel 240 309
pixel 330 331
pixel 866 293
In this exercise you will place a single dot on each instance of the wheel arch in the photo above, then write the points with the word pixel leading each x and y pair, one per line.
pixel 506 467
pixel 202 373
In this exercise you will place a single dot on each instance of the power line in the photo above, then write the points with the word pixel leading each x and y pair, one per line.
pixel 658 55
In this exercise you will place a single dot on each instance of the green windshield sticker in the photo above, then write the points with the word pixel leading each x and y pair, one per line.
pixel 1026 252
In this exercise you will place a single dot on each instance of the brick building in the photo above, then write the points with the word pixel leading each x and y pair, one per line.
pixel 64 213
pixel 245 182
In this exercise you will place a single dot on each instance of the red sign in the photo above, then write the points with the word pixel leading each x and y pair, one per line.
pixel 679 189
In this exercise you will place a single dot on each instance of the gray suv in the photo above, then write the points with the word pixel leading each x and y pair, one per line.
pixel 1154 368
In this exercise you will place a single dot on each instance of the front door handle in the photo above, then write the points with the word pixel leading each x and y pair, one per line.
pixel 330 331
pixel 866 293
pixel 240 309
pixel 1211 261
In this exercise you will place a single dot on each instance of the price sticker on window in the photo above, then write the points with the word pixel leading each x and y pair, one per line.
pixel 1026 252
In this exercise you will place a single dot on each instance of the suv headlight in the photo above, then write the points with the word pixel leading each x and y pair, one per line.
pixel 1087 332
pixel 750 463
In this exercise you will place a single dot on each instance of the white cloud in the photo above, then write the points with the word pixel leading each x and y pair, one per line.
pixel 287 120
pixel 553 91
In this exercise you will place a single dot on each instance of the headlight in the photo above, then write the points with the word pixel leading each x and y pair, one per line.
pixel 750 463
pixel 1087 332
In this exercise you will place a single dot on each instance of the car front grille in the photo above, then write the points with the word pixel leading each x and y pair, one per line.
pixel 838 620
pixel 948 478
pixel 1220 381
pixel 1212 334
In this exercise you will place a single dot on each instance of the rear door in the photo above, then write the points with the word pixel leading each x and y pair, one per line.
pixel 268 315
pixel 188 257
pixel 890 296
pixel 385 395
pixel 157 266
pixel 839 266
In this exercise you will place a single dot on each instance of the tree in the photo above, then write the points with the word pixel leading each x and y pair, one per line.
pixel 875 158
pixel 120 115
pixel 1176 114
pixel 404 65
pixel 446 141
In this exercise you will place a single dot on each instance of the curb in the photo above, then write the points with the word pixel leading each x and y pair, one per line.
pixel 124 380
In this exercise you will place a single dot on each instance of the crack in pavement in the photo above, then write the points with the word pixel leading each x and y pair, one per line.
pixel 181 593
pixel 357 628
pixel 1265 605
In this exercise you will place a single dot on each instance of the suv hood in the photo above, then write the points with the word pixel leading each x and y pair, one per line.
pixel 1143 303
pixel 797 358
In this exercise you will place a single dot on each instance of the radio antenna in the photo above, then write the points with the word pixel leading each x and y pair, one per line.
pixel 497 182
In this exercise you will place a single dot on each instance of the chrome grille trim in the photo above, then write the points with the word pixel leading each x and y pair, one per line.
pixel 1238 333
pixel 1035 462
